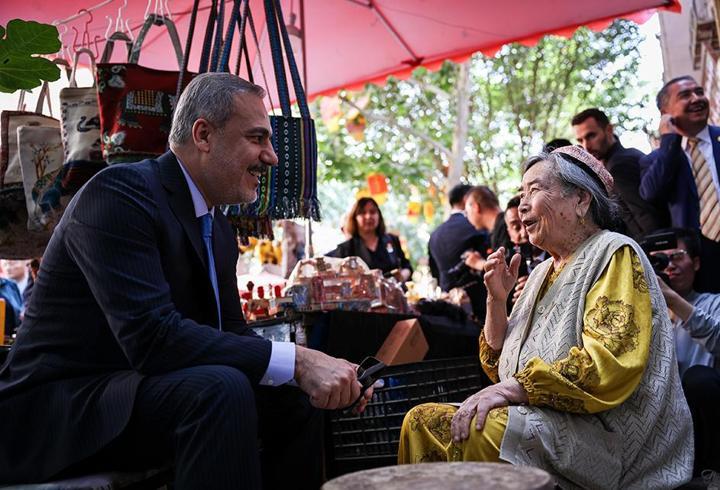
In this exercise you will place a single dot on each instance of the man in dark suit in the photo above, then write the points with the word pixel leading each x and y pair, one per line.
pixel 447 245
pixel 451 239
pixel 134 346
pixel 684 171
pixel 595 133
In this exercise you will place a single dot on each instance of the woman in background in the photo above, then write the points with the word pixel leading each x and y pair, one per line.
pixel 370 242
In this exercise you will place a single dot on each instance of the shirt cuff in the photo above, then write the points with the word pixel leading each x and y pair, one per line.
pixel 281 367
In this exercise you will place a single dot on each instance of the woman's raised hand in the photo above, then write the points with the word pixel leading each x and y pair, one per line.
pixel 499 276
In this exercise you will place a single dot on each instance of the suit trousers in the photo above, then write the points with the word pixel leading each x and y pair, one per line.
pixel 701 385
pixel 218 431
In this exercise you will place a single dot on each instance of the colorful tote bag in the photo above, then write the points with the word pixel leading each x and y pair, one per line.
pixel 41 160
pixel 136 103
pixel 16 241
pixel 80 126
pixel 10 172
pixel 288 190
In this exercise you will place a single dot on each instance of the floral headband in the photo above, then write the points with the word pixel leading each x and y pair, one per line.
pixel 589 164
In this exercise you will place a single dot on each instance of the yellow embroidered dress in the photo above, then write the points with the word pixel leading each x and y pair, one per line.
pixel 599 376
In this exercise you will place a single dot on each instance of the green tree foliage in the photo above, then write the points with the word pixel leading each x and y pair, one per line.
pixel 19 43
pixel 520 98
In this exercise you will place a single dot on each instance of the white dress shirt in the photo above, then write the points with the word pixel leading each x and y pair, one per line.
pixel 281 367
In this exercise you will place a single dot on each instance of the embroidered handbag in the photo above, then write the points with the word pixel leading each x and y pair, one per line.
pixel 136 102
pixel 41 160
pixel 16 241
pixel 288 190
pixel 80 124
pixel 10 172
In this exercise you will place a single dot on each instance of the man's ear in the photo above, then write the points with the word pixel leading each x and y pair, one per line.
pixel 201 130
pixel 696 263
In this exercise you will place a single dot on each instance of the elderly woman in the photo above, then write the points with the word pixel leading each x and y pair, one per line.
pixel 587 386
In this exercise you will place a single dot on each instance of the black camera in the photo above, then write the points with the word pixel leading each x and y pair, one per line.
pixel 659 261
pixel 527 257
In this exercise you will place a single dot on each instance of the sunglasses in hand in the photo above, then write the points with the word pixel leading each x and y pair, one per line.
pixel 368 372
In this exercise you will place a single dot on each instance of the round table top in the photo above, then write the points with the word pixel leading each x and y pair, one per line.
pixel 445 476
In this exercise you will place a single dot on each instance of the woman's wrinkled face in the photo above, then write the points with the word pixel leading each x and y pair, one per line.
pixel 548 214
pixel 368 217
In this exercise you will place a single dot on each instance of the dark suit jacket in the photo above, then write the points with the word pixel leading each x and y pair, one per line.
pixel 639 216
pixel 446 245
pixel 667 176
pixel 123 293
pixel 390 260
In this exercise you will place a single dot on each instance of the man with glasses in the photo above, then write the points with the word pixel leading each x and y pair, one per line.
pixel 696 318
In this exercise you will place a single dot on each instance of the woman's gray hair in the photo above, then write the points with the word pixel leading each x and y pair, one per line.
pixel 604 209
pixel 209 96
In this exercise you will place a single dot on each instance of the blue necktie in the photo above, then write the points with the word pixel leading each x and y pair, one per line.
pixel 207 224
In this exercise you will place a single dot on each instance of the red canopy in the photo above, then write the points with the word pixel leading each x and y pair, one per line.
pixel 353 42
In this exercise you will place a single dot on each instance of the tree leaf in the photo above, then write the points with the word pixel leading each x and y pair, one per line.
pixel 19 68
pixel 24 72
pixel 30 37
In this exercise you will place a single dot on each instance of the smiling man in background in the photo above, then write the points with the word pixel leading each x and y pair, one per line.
pixel 684 170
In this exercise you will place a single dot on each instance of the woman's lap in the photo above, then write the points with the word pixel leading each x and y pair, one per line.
pixel 426 436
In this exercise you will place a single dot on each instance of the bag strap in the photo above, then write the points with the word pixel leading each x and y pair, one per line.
pixel 21 100
pixel 218 42
pixel 207 41
pixel 277 56
pixel 110 45
pixel 259 56
pixel 300 97
pixel 44 96
pixel 243 51
pixel 76 57
pixel 158 20
pixel 227 43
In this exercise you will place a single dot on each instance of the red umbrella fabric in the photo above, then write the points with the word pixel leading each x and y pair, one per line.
pixel 352 42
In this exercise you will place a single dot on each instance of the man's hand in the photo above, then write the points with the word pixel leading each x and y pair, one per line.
pixel 474 260
pixel 519 286
pixel 494 396
pixel 677 304
pixel 667 126
pixel 329 382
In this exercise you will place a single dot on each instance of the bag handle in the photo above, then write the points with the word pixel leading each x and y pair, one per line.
pixel 158 20
pixel 207 42
pixel 300 96
pixel 251 22
pixel 273 13
pixel 218 42
pixel 44 96
pixel 110 45
pixel 227 43
pixel 76 57
pixel 243 51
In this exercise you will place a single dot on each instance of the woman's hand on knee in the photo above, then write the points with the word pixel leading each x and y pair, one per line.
pixel 479 405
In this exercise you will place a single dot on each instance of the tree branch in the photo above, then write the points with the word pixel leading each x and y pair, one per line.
pixel 393 123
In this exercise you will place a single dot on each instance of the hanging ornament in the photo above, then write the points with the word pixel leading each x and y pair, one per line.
pixel 380 199
pixel 413 211
pixel 377 183
pixel 364 192
pixel 356 127
pixel 428 210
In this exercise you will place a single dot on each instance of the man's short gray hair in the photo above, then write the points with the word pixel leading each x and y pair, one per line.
pixel 210 96
pixel 604 209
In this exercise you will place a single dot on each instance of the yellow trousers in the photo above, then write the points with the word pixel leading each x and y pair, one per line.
pixel 425 436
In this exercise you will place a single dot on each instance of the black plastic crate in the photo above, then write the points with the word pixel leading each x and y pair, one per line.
pixel 371 439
